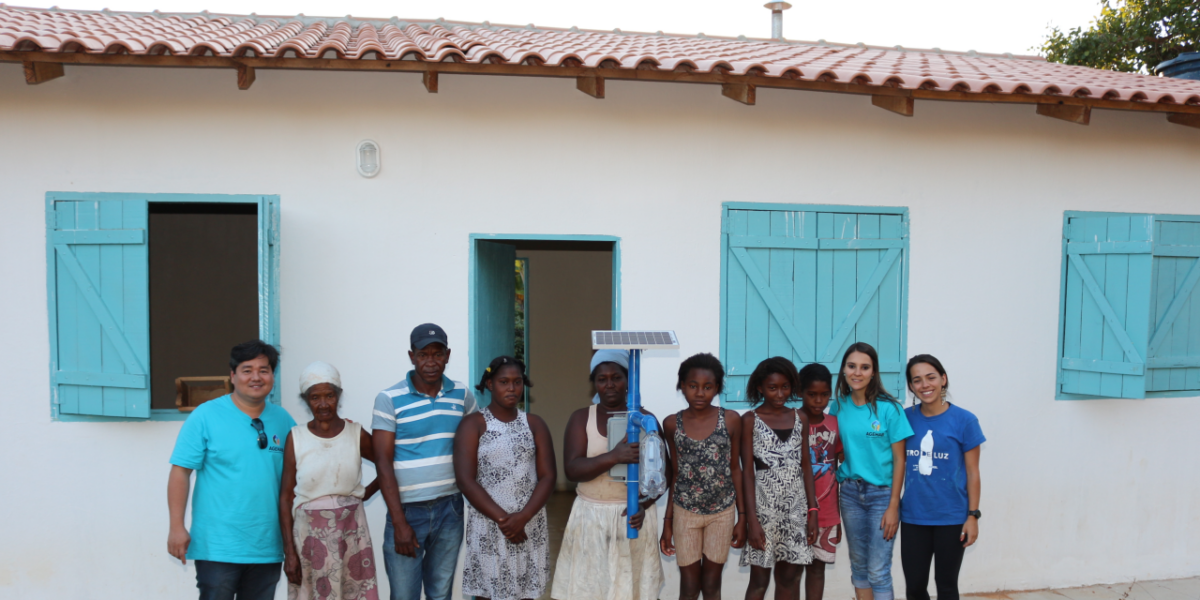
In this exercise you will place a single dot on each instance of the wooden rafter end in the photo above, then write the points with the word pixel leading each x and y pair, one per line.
pixel 591 85
pixel 1184 119
pixel 430 79
pixel 901 105
pixel 245 76
pixel 1073 113
pixel 742 92
pixel 41 72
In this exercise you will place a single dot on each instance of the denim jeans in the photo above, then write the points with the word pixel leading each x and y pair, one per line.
pixel 862 507
pixel 438 527
pixel 225 581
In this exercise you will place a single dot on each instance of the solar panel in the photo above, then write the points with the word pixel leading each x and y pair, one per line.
pixel 639 340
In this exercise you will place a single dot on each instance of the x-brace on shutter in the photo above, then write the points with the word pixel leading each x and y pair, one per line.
pixel 100 310
pixel 805 283
pixel 1131 318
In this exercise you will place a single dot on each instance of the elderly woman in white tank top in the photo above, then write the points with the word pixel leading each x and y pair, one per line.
pixel 329 553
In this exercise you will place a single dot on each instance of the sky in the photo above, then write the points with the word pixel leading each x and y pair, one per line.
pixel 1016 26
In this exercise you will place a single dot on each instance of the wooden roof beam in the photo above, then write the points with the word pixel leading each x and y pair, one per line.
pixel 591 85
pixel 1072 113
pixel 1184 119
pixel 41 72
pixel 430 79
pixel 742 92
pixel 413 66
pixel 901 105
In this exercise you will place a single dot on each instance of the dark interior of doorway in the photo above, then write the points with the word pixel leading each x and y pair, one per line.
pixel 203 290
pixel 566 291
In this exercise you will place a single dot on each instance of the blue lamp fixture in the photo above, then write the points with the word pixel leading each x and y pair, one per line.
pixel 634 342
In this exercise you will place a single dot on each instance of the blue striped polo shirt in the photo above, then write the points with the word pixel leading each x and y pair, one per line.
pixel 424 427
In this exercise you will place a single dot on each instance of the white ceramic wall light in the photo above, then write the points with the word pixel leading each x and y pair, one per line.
pixel 367 157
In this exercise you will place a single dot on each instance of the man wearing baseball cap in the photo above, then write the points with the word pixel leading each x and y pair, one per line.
pixel 414 424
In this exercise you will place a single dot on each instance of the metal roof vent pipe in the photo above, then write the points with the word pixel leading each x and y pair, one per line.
pixel 777 9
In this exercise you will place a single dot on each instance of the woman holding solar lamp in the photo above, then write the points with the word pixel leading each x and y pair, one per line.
pixel 597 560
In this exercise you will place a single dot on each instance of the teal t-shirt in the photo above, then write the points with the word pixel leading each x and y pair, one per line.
pixel 867 438
pixel 235 503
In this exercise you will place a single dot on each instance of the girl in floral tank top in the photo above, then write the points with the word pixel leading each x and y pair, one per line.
pixel 706 495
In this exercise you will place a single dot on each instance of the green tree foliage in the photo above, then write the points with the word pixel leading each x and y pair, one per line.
pixel 1131 36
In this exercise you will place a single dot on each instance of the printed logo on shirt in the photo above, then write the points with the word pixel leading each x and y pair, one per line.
pixel 926 455
pixel 875 429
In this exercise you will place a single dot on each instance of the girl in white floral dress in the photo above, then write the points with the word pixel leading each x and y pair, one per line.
pixel 504 465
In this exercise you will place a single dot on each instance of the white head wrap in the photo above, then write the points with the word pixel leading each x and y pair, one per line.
pixel 621 357
pixel 319 372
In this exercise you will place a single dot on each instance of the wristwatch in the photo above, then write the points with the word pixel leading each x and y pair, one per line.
pixel 974 513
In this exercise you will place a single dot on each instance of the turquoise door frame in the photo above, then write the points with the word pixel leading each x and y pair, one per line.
pixel 482 249
pixel 268 280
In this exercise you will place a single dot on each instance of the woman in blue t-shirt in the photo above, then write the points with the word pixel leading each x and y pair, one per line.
pixel 939 514
pixel 873 430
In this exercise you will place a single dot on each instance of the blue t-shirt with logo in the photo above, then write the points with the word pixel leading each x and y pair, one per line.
pixel 867 438
pixel 235 504
pixel 935 475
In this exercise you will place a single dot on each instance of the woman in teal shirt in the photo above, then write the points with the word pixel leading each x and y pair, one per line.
pixel 873 429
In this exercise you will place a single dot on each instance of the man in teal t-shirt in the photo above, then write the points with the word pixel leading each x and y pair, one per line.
pixel 235 445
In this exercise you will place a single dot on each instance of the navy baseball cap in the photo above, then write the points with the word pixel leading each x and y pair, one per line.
pixel 426 334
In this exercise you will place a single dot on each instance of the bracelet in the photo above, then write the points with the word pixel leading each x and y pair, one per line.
pixel 812 510
pixel 668 518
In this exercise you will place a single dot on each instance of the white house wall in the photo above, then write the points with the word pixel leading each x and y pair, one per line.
pixel 1073 492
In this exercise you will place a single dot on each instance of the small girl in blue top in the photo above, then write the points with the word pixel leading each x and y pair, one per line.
pixel 873 430
pixel 939 514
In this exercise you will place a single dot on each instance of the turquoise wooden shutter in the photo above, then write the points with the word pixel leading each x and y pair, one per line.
pixel 99 307
pixel 806 282
pixel 495 307
pixel 1173 357
pixel 268 278
pixel 1105 304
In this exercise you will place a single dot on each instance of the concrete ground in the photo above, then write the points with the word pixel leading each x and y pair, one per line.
pixel 559 508
pixel 1170 589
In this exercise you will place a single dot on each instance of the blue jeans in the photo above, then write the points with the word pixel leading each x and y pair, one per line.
pixel 862 507
pixel 438 527
pixel 225 581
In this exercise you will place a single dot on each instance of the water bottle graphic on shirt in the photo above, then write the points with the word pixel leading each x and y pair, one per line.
pixel 925 464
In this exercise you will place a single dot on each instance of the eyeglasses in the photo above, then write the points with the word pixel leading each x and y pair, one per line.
pixel 257 424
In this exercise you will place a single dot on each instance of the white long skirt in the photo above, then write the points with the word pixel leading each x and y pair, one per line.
pixel 598 562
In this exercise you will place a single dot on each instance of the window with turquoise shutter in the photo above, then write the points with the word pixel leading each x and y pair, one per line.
pixel 1129 309
pixel 99 296
pixel 805 281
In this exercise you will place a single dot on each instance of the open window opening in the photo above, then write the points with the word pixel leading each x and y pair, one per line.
pixel 203 296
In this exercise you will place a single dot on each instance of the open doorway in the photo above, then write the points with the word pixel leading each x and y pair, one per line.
pixel 541 298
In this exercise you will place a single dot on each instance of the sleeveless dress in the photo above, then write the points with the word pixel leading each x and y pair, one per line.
pixel 780 498
pixel 495 567
pixel 597 561
pixel 337 561
pixel 704 483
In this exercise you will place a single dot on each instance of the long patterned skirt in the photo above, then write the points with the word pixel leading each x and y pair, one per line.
pixel 337 561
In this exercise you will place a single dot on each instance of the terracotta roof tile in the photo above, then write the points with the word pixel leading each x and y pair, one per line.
pixel 29 29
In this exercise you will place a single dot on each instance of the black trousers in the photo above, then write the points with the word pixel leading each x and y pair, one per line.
pixel 227 581
pixel 922 544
